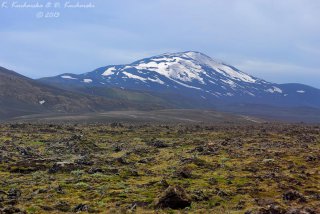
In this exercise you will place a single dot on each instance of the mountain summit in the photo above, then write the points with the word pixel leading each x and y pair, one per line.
pixel 178 71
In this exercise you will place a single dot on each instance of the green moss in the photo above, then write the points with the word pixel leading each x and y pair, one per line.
pixel 234 169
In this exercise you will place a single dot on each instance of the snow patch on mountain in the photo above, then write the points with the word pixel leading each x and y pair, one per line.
pixel 186 85
pixel 109 71
pixel 87 80
pixel 68 77
pixel 173 68
pixel 220 67
pixel 129 75
pixel 274 90
pixel 157 80
pixel 230 82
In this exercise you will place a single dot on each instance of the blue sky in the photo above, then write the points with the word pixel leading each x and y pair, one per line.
pixel 271 39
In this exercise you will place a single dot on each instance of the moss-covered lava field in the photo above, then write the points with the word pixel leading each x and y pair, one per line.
pixel 149 168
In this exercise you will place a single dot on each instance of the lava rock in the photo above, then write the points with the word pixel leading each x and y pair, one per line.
pixel 157 144
pixel 199 195
pixel 81 208
pixel 272 209
pixel 14 194
pixel 62 206
pixel 12 210
pixel 174 197
pixel 84 161
pixel 292 195
pixel 184 172
pixel 94 170
pixel 63 167
pixel 301 211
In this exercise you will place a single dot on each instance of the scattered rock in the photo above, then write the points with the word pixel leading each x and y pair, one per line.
pixel 311 158
pixel 174 197
pixel 208 149
pixel 164 183
pixel 76 137
pixel 14 194
pixel 85 160
pixel 39 191
pixel 94 170
pixel 157 143
pixel 121 160
pixel 81 208
pixel 184 172
pixel 292 195
pixel 12 210
pixel 133 207
pixel 46 208
pixel 118 148
pixel 301 211
pixel 63 167
pixel 24 151
pixel 28 166
pixel 62 206
pixel 116 125
pixel 241 205
pixel 59 190
pixel 199 195
pixel 222 193
pixel 146 160
pixel 262 202
pixel 213 181
pixel 272 209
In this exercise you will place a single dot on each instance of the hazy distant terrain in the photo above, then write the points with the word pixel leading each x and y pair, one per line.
pixel 168 116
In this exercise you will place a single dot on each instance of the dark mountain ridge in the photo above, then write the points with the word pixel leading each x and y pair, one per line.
pixel 20 95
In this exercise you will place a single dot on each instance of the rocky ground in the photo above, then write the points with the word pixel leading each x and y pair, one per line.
pixel 134 168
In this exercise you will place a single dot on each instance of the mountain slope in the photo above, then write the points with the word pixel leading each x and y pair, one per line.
pixel 20 95
pixel 193 77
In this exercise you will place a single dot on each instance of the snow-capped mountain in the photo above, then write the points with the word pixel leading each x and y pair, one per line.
pixel 194 75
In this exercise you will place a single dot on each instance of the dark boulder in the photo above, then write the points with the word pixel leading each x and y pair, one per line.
pixel 62 206
pixel 174 197
pixel 270 209
pixel 12 210
pixel 157 143
pixel 85 160
pixel 199 195
pixel 184 172
pixel 14 194
pixel 292 195
pixel 303 210
pixel 63 167
pixel 81 208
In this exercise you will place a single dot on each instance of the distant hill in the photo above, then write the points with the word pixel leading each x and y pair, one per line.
pixel 20 95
